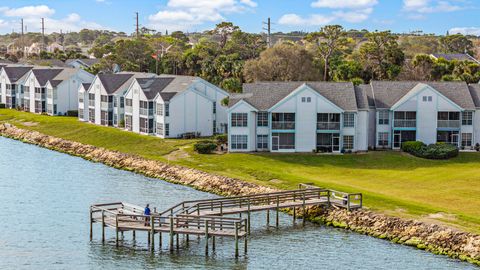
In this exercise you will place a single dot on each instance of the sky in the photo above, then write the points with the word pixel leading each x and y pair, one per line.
pixel 429 16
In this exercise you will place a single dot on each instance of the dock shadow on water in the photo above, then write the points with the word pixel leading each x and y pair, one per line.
pixel 45 224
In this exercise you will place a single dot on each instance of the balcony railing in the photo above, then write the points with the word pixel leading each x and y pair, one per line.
pixel 146 130
pixel 128 109
pixel 11 92
pixel 106 105
pixel 448 124
pixel 39 96
pixel 405 123
pixel 328 125
pixel 145 111
pixel 91 103
pixel 283 125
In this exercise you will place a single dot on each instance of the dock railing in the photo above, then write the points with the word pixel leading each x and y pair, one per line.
pixel 349 201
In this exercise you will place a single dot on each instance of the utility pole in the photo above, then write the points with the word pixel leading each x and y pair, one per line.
pixel 43 35
pixel 21 37
pixel 269 32
pixel 136 25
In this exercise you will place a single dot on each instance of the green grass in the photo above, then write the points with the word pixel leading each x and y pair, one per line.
pixel 392 182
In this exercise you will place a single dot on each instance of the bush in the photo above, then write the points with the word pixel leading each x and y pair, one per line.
pixel 2 105
pixel 432 151
pixel 205 147
pixel 221 139
pixel 72 113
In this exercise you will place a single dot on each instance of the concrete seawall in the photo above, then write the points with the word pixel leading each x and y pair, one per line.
pixel 434 238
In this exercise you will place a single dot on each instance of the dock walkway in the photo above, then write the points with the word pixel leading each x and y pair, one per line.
pixel 214 217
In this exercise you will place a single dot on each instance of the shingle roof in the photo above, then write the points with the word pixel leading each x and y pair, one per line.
pixel 86 85
pixel 264 95
pixel 455 56
pixel 475 93
pixel 361 96
pixel 44 75
pixel 14 73
pixel 111 82
pixel 88 62
pixel 387 93
pixel 152 86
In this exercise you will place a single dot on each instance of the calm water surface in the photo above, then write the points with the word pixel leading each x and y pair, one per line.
pixel 45 197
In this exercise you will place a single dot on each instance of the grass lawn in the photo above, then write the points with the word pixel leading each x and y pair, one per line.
pixel 392 182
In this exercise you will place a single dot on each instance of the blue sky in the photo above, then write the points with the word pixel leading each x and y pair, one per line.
pixel 431 16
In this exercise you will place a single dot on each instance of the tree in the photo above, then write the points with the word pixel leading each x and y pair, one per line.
pixel 330 39
pixel 283 62
pixel 381 55
pixel 456 44
pixel 224 30
pixel 423 66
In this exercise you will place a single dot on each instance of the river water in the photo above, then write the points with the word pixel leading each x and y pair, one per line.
pixel 44 224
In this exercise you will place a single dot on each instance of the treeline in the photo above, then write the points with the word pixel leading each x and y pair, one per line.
pixel 228 57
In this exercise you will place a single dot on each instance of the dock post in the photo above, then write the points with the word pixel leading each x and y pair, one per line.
pixel 152 229
pixel 304 210
pixel 268 218
pixel 177 236
pixel 236 239
pixel 294 214
pixel 116 230
pixel 148 238
pixel 91 224
pixel 213 237
pixel 160 240
pixel 103 226
pixel 206 237
pixel 245 244
pixel 248 218
pixel 133 235
pixel 277 208
pixel 171 233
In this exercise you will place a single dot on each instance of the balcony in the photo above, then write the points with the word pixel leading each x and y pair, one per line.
pixel 128 109
pixel 283 125
pixel 402 123
pixel 328 125
pixel 146 112
pixel 10 92
pixel 39 96
pixel 448 124
pixel 91 103
pixel 106 105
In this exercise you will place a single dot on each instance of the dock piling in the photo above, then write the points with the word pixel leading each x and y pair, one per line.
pixel 103 226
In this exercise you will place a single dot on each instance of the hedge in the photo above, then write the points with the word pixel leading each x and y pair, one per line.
pixel 221 139
pixel 432 151
pixel 205 147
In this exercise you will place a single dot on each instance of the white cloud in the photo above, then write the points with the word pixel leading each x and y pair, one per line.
pixel 355 16
pixel 32 17
pixel 465 31
pixel 187 14
pixel 312 20
pixel 430 6
pixel 28 11
pixel 338 4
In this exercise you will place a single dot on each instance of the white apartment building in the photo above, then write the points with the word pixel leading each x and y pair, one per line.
pixel 170 106
pixel 12 78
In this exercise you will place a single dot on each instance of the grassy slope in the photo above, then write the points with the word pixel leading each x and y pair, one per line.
pixel 392 182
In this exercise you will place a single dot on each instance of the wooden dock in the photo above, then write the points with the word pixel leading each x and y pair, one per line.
pixel 214 217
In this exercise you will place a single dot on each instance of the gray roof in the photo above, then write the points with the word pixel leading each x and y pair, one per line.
pixel 152 86
pixel 86 85
pixel 475 92
pixel 15 73
pixel 361 96
pixel 44 75
pixel 264 95
pixel 87 62
pixel 455 56
pixel 111 82
pixel 387 93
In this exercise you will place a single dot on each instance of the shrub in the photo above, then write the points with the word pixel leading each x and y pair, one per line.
pixel 72 113
pixel 2 105
pixel 477 147
pixel 204 147
pixel 221 139
pixel 432 151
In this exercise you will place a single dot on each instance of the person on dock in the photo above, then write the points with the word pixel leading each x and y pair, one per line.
pixel 146 212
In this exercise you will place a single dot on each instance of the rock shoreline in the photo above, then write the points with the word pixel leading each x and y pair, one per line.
pixel 431 237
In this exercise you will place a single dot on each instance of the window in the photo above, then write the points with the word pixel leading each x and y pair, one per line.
pixel 427 98
pixel 328 121
pixel 104 98
pixel 282 141
pixel 91 115
pixel 262 119
pixel 128 122
pixel 159 109
pixel 467 118
pixel 348 142
pixel 122 102
pixel 115 103
pixel 80 113
pixel 214 107
pixel 91 99
pixel 306 99
pixel 309 99
pixel 466 139
pixel 448 116
pixel 214 127
pixel 239 119
pixel 167 109
pixel 128 102
pixel 239 141
pixel 159 129
pixel 383 139
pixel 167 130
pixel 383 118
pixel 348 120
pixel 80 97
pixel 262 142
pixel 283 120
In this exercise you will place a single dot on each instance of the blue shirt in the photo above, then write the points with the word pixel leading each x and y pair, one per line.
pixel 147 211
